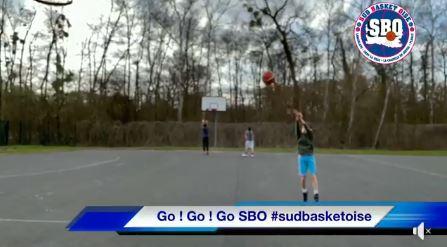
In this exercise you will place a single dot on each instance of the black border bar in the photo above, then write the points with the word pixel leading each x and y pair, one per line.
pixel 293 231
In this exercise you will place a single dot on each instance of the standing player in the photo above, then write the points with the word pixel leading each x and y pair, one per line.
pixel 306 158
pixel 249 143
pixel 205 137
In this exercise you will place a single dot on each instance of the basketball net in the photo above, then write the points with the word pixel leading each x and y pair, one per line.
pixel 55 2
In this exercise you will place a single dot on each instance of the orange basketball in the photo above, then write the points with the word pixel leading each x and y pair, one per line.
pixel 268 78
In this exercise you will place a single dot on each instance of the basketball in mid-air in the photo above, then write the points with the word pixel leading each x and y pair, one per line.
pixel 268 78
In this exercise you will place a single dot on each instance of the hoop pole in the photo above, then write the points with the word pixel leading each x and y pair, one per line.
pixel 215 129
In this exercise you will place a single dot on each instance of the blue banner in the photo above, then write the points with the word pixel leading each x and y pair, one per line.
pixel 263 218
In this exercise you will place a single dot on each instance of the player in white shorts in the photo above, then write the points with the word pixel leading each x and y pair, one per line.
pixel 249 143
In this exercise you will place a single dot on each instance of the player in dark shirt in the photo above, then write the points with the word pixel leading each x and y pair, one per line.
pixel 205 138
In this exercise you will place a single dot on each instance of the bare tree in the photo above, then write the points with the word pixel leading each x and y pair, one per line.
pixel 329 6
pixel 283 28
pixel 51 18
pixel 137 62
pixel 111 30
pixel 28 22
pixel 431 15
pixel 444 73
pixel 31 53
pixel 2 33
pixel 215 10
pixel 129 24
pixel 186 23
pixel 81 66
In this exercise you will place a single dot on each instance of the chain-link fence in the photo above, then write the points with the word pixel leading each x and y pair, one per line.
pixel 187 134
pixel 4 133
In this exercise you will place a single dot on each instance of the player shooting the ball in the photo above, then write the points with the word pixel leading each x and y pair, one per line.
pixel 205 137
pixel 306 157
pixel 305 138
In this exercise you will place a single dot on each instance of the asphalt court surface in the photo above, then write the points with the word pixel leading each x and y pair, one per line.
pixel 41 193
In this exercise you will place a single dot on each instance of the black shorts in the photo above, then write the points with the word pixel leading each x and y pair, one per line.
pixel 205 143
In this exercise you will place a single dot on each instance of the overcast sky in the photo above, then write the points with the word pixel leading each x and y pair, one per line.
pixel 80 13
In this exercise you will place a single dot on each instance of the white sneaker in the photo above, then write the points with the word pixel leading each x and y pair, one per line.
pixel 252 155
pixel 244 155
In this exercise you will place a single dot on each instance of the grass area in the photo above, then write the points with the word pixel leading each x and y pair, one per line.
pixel 48 149
pixel 323 151
pixel 385 152
pixel 28 149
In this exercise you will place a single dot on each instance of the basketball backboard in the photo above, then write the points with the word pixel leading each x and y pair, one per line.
pixel 214 104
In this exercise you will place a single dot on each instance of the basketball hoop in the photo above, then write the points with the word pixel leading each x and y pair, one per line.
pixel 212 107
pixel 55 2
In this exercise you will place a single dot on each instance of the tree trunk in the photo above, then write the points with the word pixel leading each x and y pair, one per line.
pixel 444 69
pixel 31 53
pixel 106 46
pixel 328 74
pixel 218 71
pixel 137 84
pixel 425 74
pixel 291 63
pixel 180 107
pixel 208 84
pixel 2 24
pixel 384 109
pixel 412 99
pixel 352 109
pixel 22 52
pixel 43 86
pixel 81 66
pixel 433 84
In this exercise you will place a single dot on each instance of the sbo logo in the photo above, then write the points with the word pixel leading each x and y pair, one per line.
pixel 385 33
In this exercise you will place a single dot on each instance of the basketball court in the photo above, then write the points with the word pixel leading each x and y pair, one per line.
pixel 41 193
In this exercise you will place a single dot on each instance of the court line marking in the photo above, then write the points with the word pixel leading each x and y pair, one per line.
pixel 35 221
pixel 32 174
pixel 394 165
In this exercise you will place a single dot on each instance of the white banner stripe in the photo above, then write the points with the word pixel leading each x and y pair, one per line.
pixel 263 217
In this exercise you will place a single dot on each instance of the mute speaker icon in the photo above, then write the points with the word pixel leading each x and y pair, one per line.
pixel 419 231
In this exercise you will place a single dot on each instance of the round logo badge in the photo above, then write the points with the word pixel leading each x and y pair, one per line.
pixel 385 33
